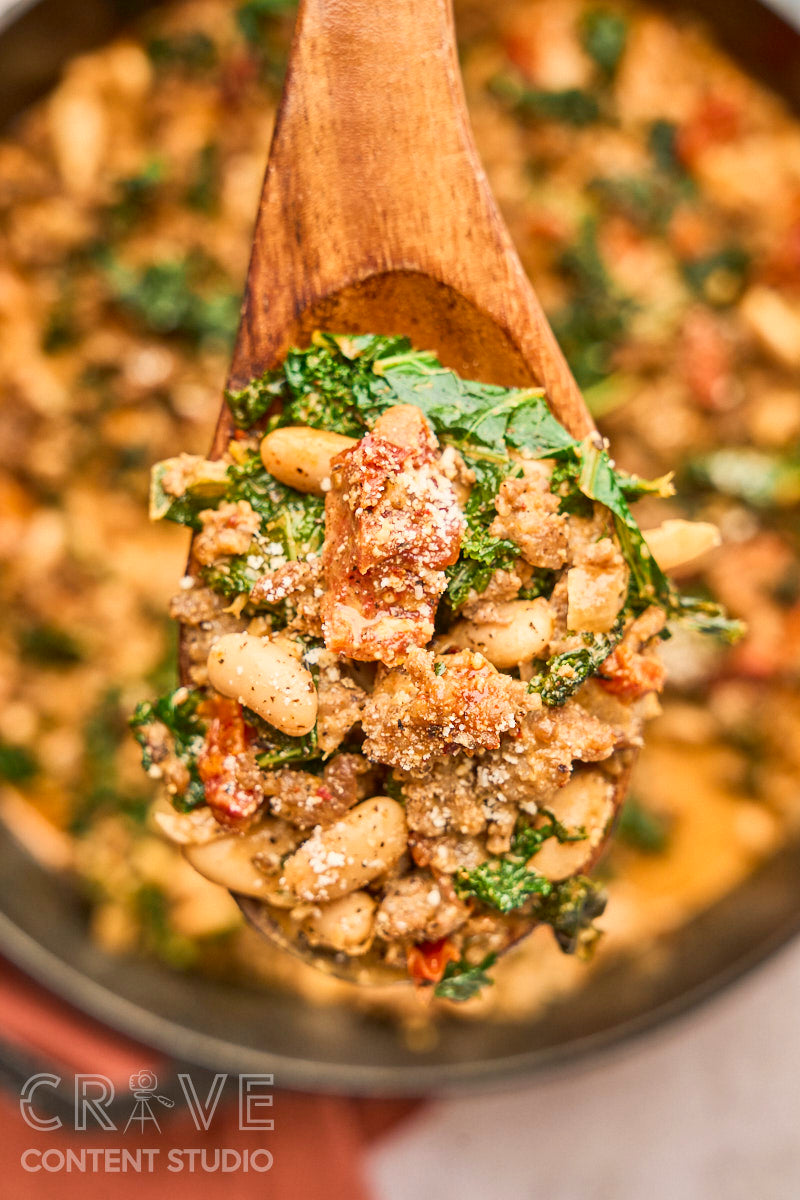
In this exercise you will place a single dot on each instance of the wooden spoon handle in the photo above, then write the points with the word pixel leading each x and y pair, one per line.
pixel 376 214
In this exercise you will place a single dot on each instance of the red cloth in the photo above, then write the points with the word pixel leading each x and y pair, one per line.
pixel 317 1144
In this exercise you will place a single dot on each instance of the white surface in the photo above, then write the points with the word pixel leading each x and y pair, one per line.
pixel 707 1109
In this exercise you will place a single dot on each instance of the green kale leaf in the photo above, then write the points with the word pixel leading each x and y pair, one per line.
pixel 505 883
pixel 568 106
pixel 206 486
pixel 17 764
pixel 231 577
pixel 759 477
pixel 570 909
pixel 191 51
pixel 481 553
pixel 706 616
pixel 719 278
pixel 292 521
pixel 50 646
pixel 596 319
pixel 203 189
pixel 640 827
pixel 565 673
pixel 502 883
pixel 177 711
pixel 462 980
pixel 603 36
pixel 182 296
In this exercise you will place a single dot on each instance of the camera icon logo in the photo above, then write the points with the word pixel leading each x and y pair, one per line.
pixel 144 1089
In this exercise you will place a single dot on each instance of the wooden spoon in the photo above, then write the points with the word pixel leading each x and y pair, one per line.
pixel 377 217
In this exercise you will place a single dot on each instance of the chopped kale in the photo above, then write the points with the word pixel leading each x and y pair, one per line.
pixel 481 553
pixel 276 749
pixel 706 617
pixel 596 319
pixel 206 488
pixel 17 764
pixel 718 278
pixel 598 480
pixel 662 142
pixel 292 520
pixel 253 16
pixel 761 478
pixel 642 828
pixel 135 195
pixel 334 384
pixel 100 789
pixel 61 330
pixel 506 883
pixel 202 192
pixel 502 883
pixel 177 711
pixel 646 200
pixel 232 576
pixel 603 36
pixel 50 646
pixel 192 51
pixel 633 487
pixel 570 909
pixel 528 839
pixel 462 981
pixel 177 296
pixel 565 673
pixel 569 106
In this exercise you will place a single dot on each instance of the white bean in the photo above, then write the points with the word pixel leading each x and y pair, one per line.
pixel 521 632
pixel 266 677
pixel 347 924
pixel 231 860
pixel 185 829
pixel 588 801
pixel 673 543
pixel 350 853
pixel 300 456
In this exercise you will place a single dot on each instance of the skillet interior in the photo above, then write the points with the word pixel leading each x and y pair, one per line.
pixel 43 925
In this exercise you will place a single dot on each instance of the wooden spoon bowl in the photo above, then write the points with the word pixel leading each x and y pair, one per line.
pixel 376 217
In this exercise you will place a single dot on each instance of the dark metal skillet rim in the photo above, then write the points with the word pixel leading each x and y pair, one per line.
pixel 125 995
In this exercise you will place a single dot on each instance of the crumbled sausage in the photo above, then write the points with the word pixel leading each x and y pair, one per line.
pixel 527 514
pixel 419 907
pixel 416 715
pixel 228 529
pixel 309 800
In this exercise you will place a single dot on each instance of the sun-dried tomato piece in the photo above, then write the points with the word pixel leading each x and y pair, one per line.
pixel 228 769
pixel 428 961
